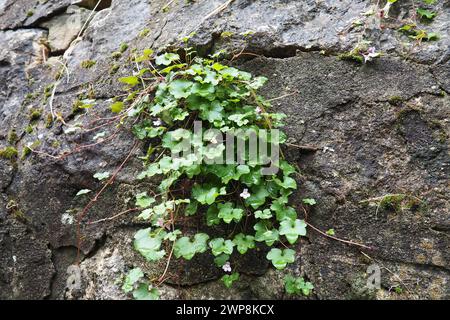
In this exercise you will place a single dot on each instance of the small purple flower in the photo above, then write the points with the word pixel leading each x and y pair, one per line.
pixel 160 222
pixel 258 110
pixel 245 194
pixel 370 54
pixel 226 267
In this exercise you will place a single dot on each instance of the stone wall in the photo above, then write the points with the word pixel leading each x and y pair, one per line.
pixel 378 128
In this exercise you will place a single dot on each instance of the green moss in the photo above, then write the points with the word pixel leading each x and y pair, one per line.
pixel 76 107
pixel 35 114
pixel 56 144
pixel 12 136
pixel 19 215
pixel 8 153
pixel 87 64
pixel 144 33
pixel 48 91
pixel 29 129
pixel 395 100
pixel 30 13
pixel 123 47
pixel 26 151
pixel 351 57
pixel 114 69
pixel 116 55
pixel 49 121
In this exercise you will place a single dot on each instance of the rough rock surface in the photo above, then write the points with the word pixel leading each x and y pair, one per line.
pixel 379 128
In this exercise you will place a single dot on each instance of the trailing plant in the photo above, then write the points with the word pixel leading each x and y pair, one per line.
pixel 297 286
pixel 163 103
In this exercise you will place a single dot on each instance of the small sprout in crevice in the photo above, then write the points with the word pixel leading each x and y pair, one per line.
pixel 8 153
pixel 29 129
pixel 426 14
pixel 226 34
pixel 114 69
pixel 297 286
pixel 48 91
pixel 123 47
pixel 12 136
pixel 229 279
pixel 26 151
pixel 414 33
pixel 116 55
pixel 35 114
pixel 87 64
pixel 395 100
pixel 144 33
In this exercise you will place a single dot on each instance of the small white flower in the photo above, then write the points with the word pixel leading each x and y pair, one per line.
pixel 258 110
pixel 370 54
pixel 157 122
pixel 66 218
pixel 226 267
pixel 213 140
pixel 245 194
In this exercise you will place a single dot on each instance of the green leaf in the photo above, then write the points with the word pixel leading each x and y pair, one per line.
pixel 426 14
pixel 82 191
pixel 166 58
pixel 117 107
pixel 244 242
pixel 133 276
pixel 191 208
pixel 330 232
pixel 180 88
pixel 143 293
pixel 287 183
pixel 220 246
pixel 102 175
pixel 131 80
pixel 297 286
pixel 149 245
pixel 228 213
pixel 263 214
pixel 258 197
pixel 239 118
pixel 203 90
pixel 207 194
pixel 228 279
pixel 172 236
pixel 220 260
pixel 264 234
pixel 187 248
pixel 151 171
pixel 281 258
pixel 283 212
pixel 292 229
pixel 309 201
pixel 286 168
pixel 143 200
pixel 257 82
pixel 212 216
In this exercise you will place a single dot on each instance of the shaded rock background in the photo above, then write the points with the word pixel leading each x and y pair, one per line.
pixel 380 128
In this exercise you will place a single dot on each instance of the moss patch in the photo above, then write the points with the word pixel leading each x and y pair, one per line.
pixel 8 153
